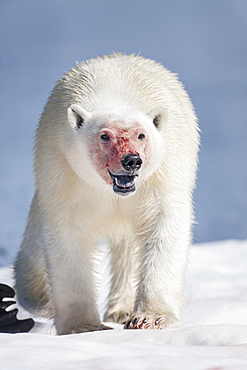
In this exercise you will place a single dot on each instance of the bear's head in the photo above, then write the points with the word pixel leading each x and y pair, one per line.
pixel 121 146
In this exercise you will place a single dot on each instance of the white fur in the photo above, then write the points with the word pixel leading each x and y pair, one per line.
pixel 149 232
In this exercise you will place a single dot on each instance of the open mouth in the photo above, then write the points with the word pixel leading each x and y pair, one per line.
pixel 123 183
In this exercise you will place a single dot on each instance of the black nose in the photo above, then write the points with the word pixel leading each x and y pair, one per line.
pixel 131 162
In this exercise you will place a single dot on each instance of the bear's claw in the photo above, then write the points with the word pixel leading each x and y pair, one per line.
pixel 141 320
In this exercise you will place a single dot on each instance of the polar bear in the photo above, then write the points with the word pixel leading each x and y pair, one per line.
pixel 115 159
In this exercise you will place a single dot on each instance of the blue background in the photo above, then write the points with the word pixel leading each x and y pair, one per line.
pixel 205 42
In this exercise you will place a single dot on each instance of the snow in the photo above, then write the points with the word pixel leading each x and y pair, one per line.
pixel 213 334
pixel 205 43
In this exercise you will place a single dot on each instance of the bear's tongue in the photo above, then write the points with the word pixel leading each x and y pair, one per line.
pixel 123 184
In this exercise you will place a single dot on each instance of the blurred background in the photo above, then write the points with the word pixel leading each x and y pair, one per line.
pixel 204 41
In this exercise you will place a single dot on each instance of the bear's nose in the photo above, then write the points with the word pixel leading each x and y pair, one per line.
pixel 131 162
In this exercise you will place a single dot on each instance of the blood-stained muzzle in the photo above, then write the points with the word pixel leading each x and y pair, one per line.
pixel 119 156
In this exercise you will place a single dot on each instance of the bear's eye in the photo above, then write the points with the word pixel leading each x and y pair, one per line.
pixel 105 137
pixel 141 137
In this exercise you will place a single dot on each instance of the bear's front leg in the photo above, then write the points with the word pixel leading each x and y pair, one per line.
pixel 122 290
pixel 70 276
pixel 163 263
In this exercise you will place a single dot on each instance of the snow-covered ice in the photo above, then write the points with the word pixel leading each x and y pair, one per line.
pixel 213 335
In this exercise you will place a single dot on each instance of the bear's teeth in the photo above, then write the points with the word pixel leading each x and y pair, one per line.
pixel 124 181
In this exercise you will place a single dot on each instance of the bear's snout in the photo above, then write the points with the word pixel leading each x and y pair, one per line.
pixel 131 162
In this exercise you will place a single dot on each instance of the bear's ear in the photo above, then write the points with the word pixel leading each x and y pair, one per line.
pixel 159 117
pixel 77 115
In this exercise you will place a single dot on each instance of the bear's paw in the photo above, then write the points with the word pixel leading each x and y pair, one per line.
pixel 120 316
pixel 142 320
pixel 87 328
